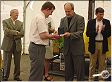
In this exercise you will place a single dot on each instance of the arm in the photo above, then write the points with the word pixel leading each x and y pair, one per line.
pixel 21 32
pixel 46 35
pixel 61 28
pixel 90 32
pixel 7 31
pixel 107 30
pixel 43 30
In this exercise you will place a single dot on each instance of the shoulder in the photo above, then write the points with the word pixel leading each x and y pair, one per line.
pixel 39 17
pixel 106 20
pixel 91 20
pixel 62 19
pixel 6 20
pixel 79 16
pixel 19 22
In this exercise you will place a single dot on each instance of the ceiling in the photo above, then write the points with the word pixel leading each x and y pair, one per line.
pixel 12 3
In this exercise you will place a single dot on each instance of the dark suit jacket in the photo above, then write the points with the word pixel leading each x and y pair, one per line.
pixel 10 34
pixel 74 43
pixel 91 33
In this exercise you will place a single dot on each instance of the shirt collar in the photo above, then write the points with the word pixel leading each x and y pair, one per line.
pixel 13 20
pixel 98 20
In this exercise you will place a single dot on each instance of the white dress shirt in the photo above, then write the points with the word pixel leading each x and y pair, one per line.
pixel 99 36
pixel 13 21
pixel 38 26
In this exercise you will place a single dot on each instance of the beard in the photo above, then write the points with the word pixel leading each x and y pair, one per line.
pixel 69 16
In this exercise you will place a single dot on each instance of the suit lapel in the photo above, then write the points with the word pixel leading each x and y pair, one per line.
pixel 94 24
pixel 66 23
pixel 16 25
pixel 11 23
pixel 103 22
pixel 71 22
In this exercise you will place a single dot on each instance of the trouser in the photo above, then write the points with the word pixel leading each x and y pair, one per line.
pixel 7 56
pixel 37 57
pixel 93 59
pixel 74 64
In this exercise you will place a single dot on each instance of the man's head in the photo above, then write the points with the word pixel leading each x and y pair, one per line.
pixel 14 14
pixel 69 9
pixel 47 8
pixel 99 13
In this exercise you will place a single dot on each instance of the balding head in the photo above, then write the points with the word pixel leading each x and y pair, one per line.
pixel 14 14
pixel 69 5
pixel 69 9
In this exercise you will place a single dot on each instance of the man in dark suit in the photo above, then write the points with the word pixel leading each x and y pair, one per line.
pixel 13 32
pixel 98 31
pixel 72 25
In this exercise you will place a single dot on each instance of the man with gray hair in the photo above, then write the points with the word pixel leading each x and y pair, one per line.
pixel 13 32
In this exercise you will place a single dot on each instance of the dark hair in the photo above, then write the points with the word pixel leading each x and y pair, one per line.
pixel 48 5
pixel 99 10
pixel 71 4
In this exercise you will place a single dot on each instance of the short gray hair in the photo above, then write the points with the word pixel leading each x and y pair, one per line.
pixel 12 11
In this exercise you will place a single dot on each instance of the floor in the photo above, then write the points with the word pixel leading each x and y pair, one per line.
pixel 25 69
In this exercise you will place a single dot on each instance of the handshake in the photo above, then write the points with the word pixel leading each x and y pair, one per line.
pixel 55 37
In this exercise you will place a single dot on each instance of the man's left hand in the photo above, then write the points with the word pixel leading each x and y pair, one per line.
pixel 66 34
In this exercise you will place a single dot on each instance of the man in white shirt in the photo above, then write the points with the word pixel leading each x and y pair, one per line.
pixel 98 31
pixel 39 38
